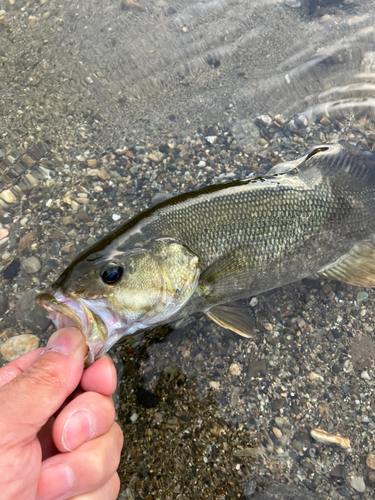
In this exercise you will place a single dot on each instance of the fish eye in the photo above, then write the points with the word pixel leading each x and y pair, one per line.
pixel 112 274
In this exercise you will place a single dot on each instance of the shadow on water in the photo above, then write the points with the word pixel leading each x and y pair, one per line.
pixel 109 107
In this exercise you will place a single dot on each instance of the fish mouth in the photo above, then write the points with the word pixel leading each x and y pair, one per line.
pixel 99 325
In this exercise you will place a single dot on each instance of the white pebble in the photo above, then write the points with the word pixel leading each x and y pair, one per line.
pixel 253 302
pixel 116 217
pixel 134 417
pixel 365 375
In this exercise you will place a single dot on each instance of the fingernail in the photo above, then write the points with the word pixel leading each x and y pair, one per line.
pixel 55 481
pixel 65 341
pixel 78 429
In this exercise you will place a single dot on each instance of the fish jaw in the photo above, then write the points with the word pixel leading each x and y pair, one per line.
pixel 101 328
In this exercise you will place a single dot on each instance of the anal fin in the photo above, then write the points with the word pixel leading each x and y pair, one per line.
pixel 356 267
pixel 233 317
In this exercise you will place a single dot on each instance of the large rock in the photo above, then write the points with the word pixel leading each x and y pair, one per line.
pixel 30 314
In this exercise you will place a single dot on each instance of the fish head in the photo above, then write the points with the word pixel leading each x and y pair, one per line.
pixel 107 298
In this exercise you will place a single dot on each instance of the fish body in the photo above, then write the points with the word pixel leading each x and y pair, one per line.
pixel 200 251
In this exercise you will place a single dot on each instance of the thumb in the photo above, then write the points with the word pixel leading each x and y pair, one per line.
pixel 29 400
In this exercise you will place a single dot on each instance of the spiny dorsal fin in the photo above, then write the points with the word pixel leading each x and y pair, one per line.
pixel 356 267
pixel 233 317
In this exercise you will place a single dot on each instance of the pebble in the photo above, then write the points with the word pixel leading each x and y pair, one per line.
pixel 327 289
pixel 339 471
pixel 16 346
pixel 253 302
pixel 30 314
pixel 365 375
pixel 277 432
pixel 358 484
pixel 370 461
pixel 257 368
pixel 31 265
pixel 116 217
pixel 326 438
pixel 3 232
pixel 3 302
pixel 156 156
pixel 6 256
pixel 134 417
pixel 66 221
pixel 31 22
pixel 8 196
pixel 293 4
pixel 91 163
pixel 361 297
pixel 314 376
pixel 268 327
pixel 235 369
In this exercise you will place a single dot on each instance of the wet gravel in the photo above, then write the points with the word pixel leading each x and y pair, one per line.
pixel 206 414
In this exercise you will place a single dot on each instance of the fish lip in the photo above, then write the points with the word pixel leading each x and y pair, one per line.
pixel 59 308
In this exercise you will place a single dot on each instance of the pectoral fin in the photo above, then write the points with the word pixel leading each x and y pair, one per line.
pixel 233 317
pixel 356 267
pixel 231 272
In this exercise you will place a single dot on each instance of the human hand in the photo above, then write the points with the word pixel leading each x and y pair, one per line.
pixel 58 442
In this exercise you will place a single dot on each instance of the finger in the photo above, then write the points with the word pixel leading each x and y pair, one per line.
pixel 83 470
pixel 19 365
pixel 88 416
pixel 100 377
pixel 40 390
pixel 109 491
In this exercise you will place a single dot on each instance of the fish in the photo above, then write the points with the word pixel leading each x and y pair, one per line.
pixel 205 250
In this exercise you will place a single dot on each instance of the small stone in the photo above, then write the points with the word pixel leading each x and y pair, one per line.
pixel 31 22
pixel 26 240
pixel 293 4
pixel 361 297
pixel 42 2
pixel 268 327
pixel 3 302
pixel 8 196
pixel 326 438
pixel 3 232
pixel 30 314
pixel 66 221
pixel 253 302
pixel 314 376
pixel 339 471
pixel 235 369
pixel 16 346
pixel 31 265
pixel 257 368
pixel 91 162
pixel 301 323
pixel 214 384
pixel 156 156
pixel 325 121
pixel 6 256
pixel 365 375
pixel 116 217
pixel 370 461
pixel 68 248
pixel 134 417
pixel 211 139
pixel 103 174
pixel 325 18
pixel 277 432
pixel 93 172
pixel 358 484
pixel 201 164
pixel 327 289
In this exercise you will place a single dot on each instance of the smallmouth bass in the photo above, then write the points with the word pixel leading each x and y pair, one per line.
pixel 203 250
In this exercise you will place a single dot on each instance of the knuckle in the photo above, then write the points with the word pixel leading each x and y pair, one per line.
pixel 48 376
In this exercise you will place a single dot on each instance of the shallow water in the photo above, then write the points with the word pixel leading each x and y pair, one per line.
pixel 91 94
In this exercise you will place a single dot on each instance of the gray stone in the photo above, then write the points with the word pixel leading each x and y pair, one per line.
pixel 361 297
pixel 30 314
pixel 283 492
pixel 31 265
pixel 358 484
pixel 3 302
pixel 159 197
